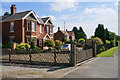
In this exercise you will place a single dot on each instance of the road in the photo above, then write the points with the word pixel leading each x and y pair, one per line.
pixel 103 67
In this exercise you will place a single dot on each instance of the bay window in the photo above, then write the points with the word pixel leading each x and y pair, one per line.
pixel 40 28
pixel 33 27
pixel 28 26
pixel 47 29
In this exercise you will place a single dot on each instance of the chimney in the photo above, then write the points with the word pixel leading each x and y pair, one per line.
pixel 66 30
pixel 13 9
pixel 58 28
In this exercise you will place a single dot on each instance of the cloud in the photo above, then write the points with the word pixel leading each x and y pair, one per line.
pixel 61 6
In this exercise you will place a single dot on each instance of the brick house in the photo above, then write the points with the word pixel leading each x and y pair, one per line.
pixel 24 27
pixel 64 34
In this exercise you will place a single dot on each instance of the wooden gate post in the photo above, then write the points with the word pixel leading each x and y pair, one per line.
pixel 30 51
pixel 72 54
pixel 94 48
pixel 10 56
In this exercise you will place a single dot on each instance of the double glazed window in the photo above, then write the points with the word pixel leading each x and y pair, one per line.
pixel 27 39
pixel 40 28
pixel 12 27
pixel 51 29
pixel 28 25
pixel 47 29
pixel 33 27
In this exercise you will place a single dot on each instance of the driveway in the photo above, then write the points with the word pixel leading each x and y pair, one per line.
pixel 102 67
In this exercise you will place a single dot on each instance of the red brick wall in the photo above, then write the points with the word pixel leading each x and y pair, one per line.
pixel 17 30
pixel 58 35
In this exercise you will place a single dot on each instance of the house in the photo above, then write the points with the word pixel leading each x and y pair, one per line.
pixel 60 34
pixel 24 27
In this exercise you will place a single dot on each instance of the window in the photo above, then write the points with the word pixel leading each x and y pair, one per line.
pixel 12 27
pixel 28 25
pixel 40 42
pixel 28 39
pixel 51 29
pixel 11 39
pixel 47 29
pixel 33 27
pixel 40 28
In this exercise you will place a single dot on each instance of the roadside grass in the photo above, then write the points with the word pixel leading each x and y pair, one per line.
pixel 108 53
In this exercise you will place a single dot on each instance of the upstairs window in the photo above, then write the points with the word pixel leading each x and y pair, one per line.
pixel 28 25
pixel 47 29
pixel 40 28
pixel 51 29
pixel 12 27
pixel 33 27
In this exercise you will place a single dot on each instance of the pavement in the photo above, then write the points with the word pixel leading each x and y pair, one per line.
pixel 102 67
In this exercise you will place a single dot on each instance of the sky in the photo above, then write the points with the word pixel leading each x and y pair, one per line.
pixel 75 14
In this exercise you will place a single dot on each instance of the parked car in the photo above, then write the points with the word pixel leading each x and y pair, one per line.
pixel 66 47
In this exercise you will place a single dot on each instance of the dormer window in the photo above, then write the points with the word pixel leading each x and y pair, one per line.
pixel 33 27
pixel 28 25
pixel 12 27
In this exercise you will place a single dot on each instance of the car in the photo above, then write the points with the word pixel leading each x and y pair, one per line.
pixel 65 47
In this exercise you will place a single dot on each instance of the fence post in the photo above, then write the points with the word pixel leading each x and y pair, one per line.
pixel 94 48
pixel 55 57
pixel 72 55
pixel 30 51
pixel 10 56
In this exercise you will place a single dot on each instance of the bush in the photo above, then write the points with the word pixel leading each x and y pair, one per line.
pixel 32 44
pixel 68 41
pixel 98 40
pixel 102 49
pixel 81 40
pixel 36 49
pixel 58 44
pixel 107 41
pixel 49 43
pixel 7 45
pixel 23 46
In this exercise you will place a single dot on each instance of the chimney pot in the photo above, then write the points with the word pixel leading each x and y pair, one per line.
pixel 13 9
pixel 66 30
pixel 58 28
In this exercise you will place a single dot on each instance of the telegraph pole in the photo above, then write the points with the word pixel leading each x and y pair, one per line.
pixel 64 31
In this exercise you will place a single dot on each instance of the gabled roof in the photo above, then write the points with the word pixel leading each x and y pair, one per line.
pixel 71 33
pixel 64 32
pixel 16 16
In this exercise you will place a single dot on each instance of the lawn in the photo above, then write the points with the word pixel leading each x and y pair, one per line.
pixel 108 53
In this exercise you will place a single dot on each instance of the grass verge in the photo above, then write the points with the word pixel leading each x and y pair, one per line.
pixel 108 53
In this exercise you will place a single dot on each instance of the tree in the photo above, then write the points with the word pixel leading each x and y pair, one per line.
pixel 6 13
pixel 75 32
pixel 58 44
pixel 100 32
pixel 107 34
pixel 49 43
pixel 79 33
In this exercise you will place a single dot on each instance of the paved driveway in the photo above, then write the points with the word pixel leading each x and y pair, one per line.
pixel 103 67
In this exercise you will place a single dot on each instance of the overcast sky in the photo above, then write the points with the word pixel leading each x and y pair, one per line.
pixel 85 14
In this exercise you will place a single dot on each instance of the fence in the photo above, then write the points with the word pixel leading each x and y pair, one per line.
pixel 72 57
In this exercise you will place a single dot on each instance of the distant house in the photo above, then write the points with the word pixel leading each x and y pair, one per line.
pixel 64 34
pixel 24 27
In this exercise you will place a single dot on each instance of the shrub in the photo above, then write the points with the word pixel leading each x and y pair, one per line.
pixel 107 41
pixel 32 44
pixel 68 41
pixel 102 49
pixel 23 46
pixel 58 44
pixel 36 49
pixel 7 45
pixel 49 43
pixel 81 40
pixel 98 40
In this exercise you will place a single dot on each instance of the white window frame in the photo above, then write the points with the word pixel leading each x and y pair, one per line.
pixel 51 30
pixel 40 42
pixel 11 39
pixel 33 26
pixel 28 26
pixel 11 26
pixel 40 28
pixel 47 29
pixel 28 37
